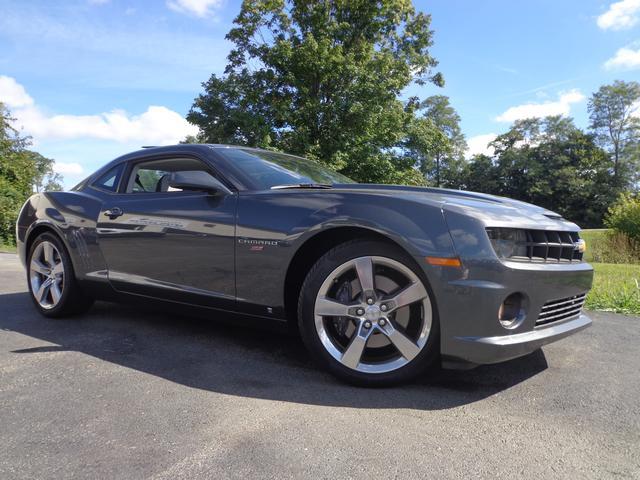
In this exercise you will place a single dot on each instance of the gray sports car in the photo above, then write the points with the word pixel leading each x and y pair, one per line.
pixel 380 280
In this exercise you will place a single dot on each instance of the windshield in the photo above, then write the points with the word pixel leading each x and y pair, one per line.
pixel 264 170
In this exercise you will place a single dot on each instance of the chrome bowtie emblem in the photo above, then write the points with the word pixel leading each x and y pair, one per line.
pixel 372 313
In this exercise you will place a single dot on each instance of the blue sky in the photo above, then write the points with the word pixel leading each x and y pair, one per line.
pixel 92 79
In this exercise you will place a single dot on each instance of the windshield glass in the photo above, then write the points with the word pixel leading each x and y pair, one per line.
pixel 264 170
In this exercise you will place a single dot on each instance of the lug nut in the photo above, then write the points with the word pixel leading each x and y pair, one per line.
pixel 383 308
pixel 370 301
pixel 360 311
pixel 382 322
pixel 367 324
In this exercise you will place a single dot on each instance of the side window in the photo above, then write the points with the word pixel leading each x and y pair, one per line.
pixel 148 180
pixel 154 176
pixel 109 181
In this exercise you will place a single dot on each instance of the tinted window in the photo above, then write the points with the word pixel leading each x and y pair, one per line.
pixel 110 180
pixel 264 170
pixel 153 176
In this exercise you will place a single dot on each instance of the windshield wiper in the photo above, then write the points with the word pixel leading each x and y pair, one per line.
pixel 301 185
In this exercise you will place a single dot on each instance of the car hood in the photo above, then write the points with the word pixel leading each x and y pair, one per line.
pixel 490 209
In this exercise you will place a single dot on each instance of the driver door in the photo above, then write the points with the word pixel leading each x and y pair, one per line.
pixel 164 242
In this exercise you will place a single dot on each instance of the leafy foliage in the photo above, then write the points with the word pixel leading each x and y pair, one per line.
pixel 552 163
pixel 548 162
pixel 612 111
pixel 323 79
pixel 624 216
pixel 21 172
pixel 610 246
pixel 441 157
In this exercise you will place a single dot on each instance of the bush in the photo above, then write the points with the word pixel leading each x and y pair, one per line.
pixel 10 202
pixel 624 216
pixel 609 246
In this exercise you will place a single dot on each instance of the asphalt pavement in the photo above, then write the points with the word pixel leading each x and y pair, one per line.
pixel 128 393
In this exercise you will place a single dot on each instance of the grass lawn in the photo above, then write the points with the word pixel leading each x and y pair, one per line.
pixel 594 238
pixel 7 248
pixel 615 288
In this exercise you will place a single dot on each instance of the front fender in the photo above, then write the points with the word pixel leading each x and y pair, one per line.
pixel 272 227
pixel 420 231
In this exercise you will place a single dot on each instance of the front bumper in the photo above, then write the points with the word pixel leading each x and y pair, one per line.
pixel 483 350
pixel 468 299
pixel 468 302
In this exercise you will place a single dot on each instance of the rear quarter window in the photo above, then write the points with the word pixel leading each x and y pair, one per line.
pixel 110 180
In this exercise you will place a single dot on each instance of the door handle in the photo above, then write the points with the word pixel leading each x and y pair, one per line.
pixel 113 212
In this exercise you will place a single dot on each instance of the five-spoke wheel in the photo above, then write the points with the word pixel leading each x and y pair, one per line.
pixel 372 314
pixel 52 282
pixel 46 274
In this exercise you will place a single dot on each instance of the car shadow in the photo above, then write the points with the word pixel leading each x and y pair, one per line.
pixel 249 362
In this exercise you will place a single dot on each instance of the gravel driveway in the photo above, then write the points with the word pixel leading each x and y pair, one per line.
pixel 126 393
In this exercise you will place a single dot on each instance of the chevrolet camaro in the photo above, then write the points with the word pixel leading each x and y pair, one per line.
pixel 381 281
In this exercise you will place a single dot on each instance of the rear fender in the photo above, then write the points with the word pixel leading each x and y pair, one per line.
pixel 72 216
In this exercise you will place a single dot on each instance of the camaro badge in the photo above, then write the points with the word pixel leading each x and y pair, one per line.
pixel 255 241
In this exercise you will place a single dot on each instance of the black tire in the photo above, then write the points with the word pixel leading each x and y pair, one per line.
pixel 73 300
pixel 306 317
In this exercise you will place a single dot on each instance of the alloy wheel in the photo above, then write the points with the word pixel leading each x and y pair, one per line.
pixel 373 314
pixel 46 274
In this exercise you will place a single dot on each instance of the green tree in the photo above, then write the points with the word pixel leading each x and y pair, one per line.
pixel 551 163
pixel 443 159
pixel 480 174
pixel 322 79
pixel 424 137
pixel 21 173
pixel 624 216
pixel 45 178
pixel 613 111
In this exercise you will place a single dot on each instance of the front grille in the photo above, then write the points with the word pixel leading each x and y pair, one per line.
pixel 563 309
pixel 544 246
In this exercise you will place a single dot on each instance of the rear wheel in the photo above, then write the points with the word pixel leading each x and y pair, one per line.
pixel 365 313
pixel 52 283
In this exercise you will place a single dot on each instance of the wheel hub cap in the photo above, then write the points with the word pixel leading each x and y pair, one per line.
pixel 372 313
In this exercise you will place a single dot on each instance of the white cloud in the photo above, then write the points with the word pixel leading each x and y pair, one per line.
pixel 158 125
pixel 199 8
pixel 530 110
pixel 72 169
pixel 12 94
pixel 479 145
pixel 625 58
pixel 97 2
pixel 621 15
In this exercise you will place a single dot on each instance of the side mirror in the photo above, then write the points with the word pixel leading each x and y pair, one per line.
pixel 197 180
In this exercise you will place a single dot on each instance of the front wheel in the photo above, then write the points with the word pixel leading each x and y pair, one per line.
pixel 366 314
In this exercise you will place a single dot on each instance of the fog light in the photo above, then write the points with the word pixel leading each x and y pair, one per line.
pixel 512 311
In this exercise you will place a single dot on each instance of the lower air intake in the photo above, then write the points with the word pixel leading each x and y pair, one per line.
pixel 563 309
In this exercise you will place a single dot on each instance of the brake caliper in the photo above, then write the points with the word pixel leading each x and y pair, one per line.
pixel 343 295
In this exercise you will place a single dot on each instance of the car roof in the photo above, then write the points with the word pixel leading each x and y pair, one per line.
pixel 205 149
pixel 191 147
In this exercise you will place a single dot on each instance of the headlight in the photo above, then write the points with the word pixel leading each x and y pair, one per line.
pixel 508 242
